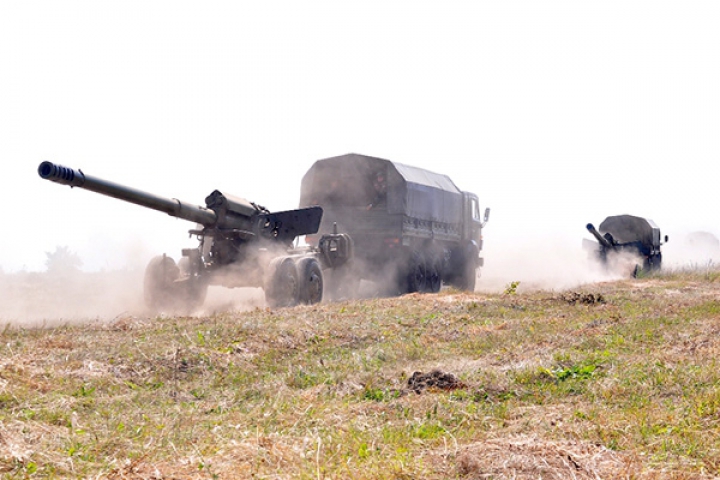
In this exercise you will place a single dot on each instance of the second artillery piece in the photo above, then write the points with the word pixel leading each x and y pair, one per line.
pixel 635 237
pixel 242 244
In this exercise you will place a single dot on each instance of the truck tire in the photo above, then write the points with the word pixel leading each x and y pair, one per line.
pixel 656 261
pixel 468 277
pixel 282 289
pixel 416 272
pixel 434 275
pixel 650 264
pixel 465 267
pixel 159 288
pixel 310 280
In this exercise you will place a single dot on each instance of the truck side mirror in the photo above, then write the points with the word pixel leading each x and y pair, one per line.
pixel 487 215
pixel 666 238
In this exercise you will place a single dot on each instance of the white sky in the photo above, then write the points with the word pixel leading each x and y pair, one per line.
pixel 555 113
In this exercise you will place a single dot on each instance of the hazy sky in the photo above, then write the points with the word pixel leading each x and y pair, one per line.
pixel 555 113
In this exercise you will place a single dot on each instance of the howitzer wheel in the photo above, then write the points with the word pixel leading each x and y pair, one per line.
pixel 159 286
pixel 282 289
pixel 311 281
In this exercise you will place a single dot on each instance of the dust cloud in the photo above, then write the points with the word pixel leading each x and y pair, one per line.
pixel 42 299
pixel 561 264
pixel 46 299
pixel 549 264
pixel 543 265
pixel 692 251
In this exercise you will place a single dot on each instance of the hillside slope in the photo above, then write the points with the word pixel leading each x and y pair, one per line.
pixel 616 380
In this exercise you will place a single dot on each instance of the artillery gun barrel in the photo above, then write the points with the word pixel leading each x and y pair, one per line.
pixel 171 206
pixel 603 241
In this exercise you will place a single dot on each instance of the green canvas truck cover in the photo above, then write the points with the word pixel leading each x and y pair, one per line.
pixel 362 181
pixel 629 228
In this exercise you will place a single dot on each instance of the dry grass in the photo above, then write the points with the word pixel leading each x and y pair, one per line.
pixel 616 380
pixel 530 457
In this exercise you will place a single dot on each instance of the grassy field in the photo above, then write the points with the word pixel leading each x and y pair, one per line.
pixel 611 380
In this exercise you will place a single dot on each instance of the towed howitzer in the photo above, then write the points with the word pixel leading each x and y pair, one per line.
pixel 636 236
pixel 242 244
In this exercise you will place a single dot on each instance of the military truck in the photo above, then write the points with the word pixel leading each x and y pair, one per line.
pixel 412 229
pixel 242 244
pixel 627 236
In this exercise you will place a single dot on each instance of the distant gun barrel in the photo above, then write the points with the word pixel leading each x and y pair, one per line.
pixel 603 241
pixel 171 206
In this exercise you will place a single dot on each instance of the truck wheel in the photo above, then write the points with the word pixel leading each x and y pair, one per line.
pixel 282 289
pixel 159 287
pixel 656 261
pixel 311 281
pixel 434 275
pixel 468 277
pixel 466 267
pixel 417 273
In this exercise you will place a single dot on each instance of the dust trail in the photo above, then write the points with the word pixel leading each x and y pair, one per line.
pixel 34 299
pixel 31 299
pixel 37 299
pixel 694 250
pixel 540 265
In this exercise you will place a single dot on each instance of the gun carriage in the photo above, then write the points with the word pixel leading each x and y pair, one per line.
pixel 241 244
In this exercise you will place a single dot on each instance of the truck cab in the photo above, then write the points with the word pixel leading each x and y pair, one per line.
pixel 472 222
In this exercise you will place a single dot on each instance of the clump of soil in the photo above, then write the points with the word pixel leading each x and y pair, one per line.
pixel 420 381
pixel 574 298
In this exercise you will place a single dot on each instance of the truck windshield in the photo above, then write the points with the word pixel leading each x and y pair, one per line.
pixel 475 209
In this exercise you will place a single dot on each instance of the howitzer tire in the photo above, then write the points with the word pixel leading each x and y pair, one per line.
pixel 282 289
pixel 417 273
pixel 159 287
pixel 310 278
